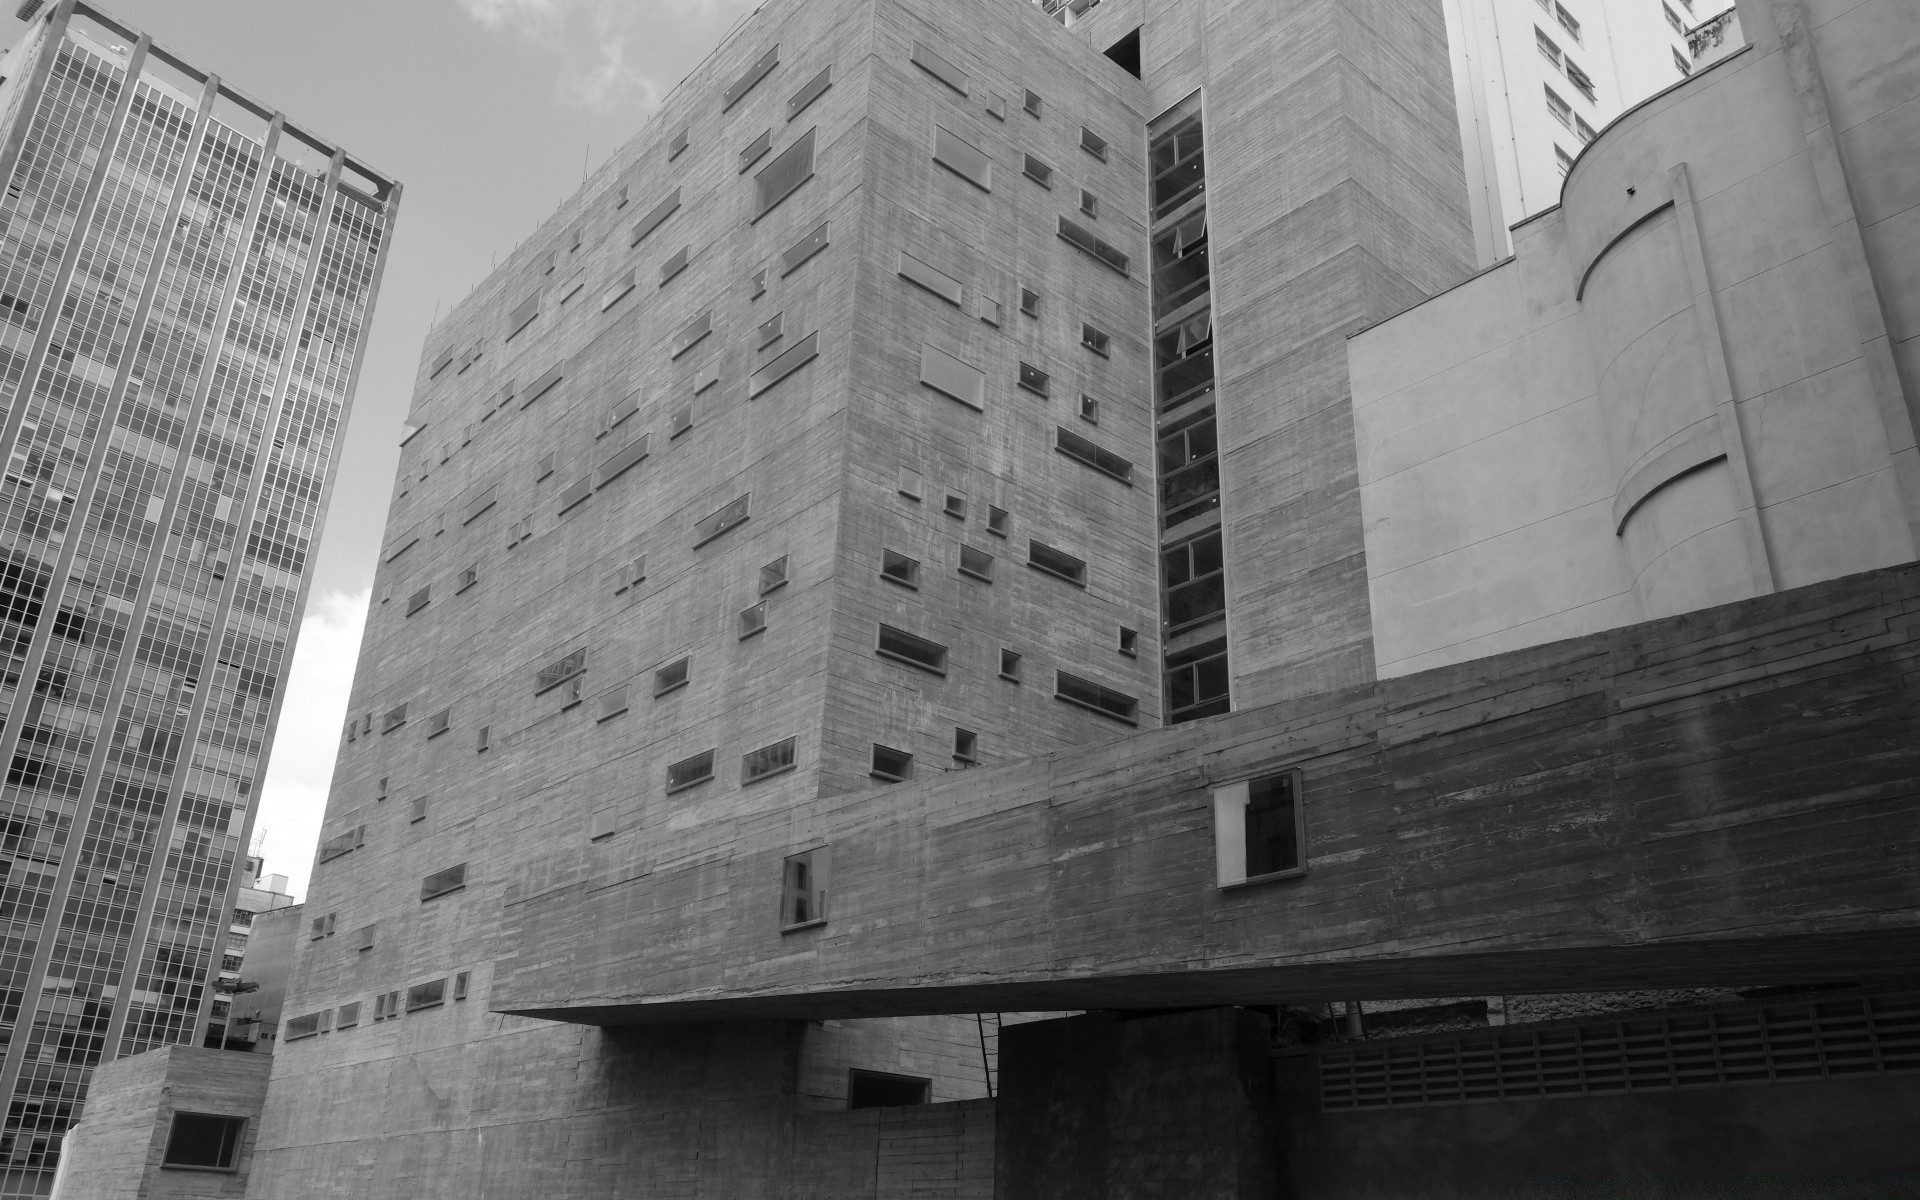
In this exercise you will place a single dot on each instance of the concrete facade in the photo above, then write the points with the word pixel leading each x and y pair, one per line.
pixel 118 1151
pixel 185 278
pixel 1694 382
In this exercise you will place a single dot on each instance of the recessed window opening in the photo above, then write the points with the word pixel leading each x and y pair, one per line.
pixel 879 1089
pixel 1198 682
pixel 752 620
pixel 803 888
pixel 1038 171
pixel 1089 410
pixel 963 158
pixel 1093 455
pixel 560 670
pixel 1089 204
pixel 1085 693
pixel 1193 574
pixel 1093 143
pixel 1189 469
pixel 1057 563
pixel 441 882
pixel 1034 380
pixel 896 567
pixel 671 677
pixel 1259 829
pixel 893 766
pixel 905 647
pixel 767 761
pixel 690 771
pixel 977 563
pixel 1129 641
pixel 773 575
pixel 1010 666
pixel 956 506
pixel 965 743
pixel 1126 53
pixel 997 520
pixel 1096 340
pixel 204 1140
pixel 1029 302
pixel 1032 104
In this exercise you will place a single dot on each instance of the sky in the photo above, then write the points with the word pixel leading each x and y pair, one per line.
pixel 489 113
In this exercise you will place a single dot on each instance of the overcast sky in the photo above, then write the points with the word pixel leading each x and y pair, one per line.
pixel 488 112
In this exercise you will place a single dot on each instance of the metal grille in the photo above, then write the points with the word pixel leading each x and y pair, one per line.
pixel 1773 1043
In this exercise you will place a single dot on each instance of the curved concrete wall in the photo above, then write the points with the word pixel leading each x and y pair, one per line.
pixel 1735 385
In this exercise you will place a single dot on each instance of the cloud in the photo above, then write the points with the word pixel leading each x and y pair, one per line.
pixel 294 797
pixel 592 39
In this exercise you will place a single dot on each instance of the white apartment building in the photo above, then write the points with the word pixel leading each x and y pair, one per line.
pixel 1536 79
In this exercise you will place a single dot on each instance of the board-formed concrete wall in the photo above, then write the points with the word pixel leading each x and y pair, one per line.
pixel 116 1151
pixel 1691 383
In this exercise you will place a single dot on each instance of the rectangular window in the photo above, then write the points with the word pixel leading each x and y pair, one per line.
pixel 1129 642
pixel 1089 410
pixel 678 143
pixel 446 356
pixel 951 377
pixel 963 158
pixel 1674 20
pixel 783 176
pixel 1193 576
pixel 674 265
pixel 628 573
pixel 965 743
pixel 767 761
pixel 395 718
pixel 1083 239
pixel 441 882
pixel 617 290
pixel 1567 20
pixel 898 568
pixel 484 739
pixel 939 68
pixel 803 889
pixel 1096 340
pixel 543 385
pixel 1580 79
pixel 902 646
pixel 691 334
pixel 1582 130
pixel 1101 699
pixel 797 254
pixel 363 938
pixel 956 506
pixel 1038 171
pixel 1010 666
pixel 756 150
pixel 881 1089
pixel 754 74
pixel 1099 458
pixel 1057 562
pixel 773 576
pixel 469 576
pixel 690 771
pixel 1681 63
pixel 728 516
pixel 990 311
pixel 908 483
pixel 439 722
pixel 212 1142
pixel 792 359
pixel 681 422
pixel 977 563
pixel 620 461
pixel 1561 110
pixel 752 620
pixel 769 331
pixel 575 492
pixel 996 106
pixel 349 1016
pixel 572 286
pixel 671 677
pixel 810 91
pixel 997 520
pixel 1029 303
pixel 419 600
pixel 1032 104
pixel 1545 45
pixel 460 986
pixel 656 218
pixel 479 504
pixel 1259 830
pixel 931 278
pixel 758 284
pixel 1034 380
pixel 1093 143
pixel 1562 160
pixel 894 766
pixel 613 703
pixel 426 995
pixel 560 670
pixel 523 315
pixel 1089 204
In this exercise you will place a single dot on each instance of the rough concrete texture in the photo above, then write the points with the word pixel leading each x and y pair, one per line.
pixel 115 1153
pixel 1681 390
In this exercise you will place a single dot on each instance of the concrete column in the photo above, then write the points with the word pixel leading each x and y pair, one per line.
pixel 1101 1107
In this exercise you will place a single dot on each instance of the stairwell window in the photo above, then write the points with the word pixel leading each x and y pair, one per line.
pixel 1259 830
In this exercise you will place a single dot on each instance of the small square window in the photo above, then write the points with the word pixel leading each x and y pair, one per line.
pixel 997 520
pixel 1034 380
pixel 894 766
pixel 671 677
pixel 1096 340
pixel 991 311
pixel 996 106
pixel 1093 143
pixel 898 568
pixel 1089 410
pixel 1029 302
pixel 439 722
pixel 1089 203
pixel 1259 830
pixel 753 619
pixel 977 563
pixel 803 889
pixel 956 506
pixel 1038 171
pixel 682 421
pixel 1032 104
pixel 1129 642
pixel 773 575
pixel 1010 666
pixel 544 466
pixel 468 577
pixel 613 703
pixel 965 742
pixel 909 484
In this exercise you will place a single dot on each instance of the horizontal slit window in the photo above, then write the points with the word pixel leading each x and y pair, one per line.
pixel 951 377
pixel 804 249
pixel 575 492
pixel 674 265
pixel 1084 239
pixel 729 516
pixel 939 68
pixel 617 290
pixel 657 217
pixel 756 150
pixel 1057 562
pixel 767 761
pixel 543 385
pixel 963 158
pixel 783 176
pixel 1038 171
pixel 1102 460
pixel 619 461
pixel 480 504
pixel 446 356
pixel 690 771
pixel 1098 697
pixel 931 278
pixel 792 359
pixel 754 74
pixel 452 879
pixel 522 315
pixel 810 91
pixel 692 334
pixel 904 647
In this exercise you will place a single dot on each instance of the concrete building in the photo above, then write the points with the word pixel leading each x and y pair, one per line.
pixel 1535 80
pixel 812 434
pixel 257 894
pixel 184 281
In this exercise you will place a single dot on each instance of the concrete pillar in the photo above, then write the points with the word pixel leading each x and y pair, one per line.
pixel 1102 1107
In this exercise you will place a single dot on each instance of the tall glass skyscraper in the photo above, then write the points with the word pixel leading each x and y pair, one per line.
pixel 185 284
